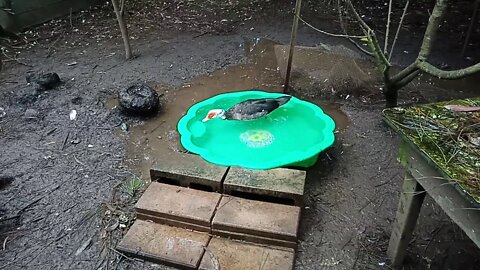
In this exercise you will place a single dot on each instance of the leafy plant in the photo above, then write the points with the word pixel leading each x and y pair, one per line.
pixel 132 186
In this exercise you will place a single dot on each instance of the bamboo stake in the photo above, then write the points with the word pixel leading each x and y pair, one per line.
pixel 293 39
pixel 470 28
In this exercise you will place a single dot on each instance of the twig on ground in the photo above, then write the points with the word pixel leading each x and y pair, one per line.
pixel 4 246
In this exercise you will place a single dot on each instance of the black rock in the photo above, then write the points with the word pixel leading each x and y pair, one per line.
pixel 5 181
pixel 43 81
pixel 76 100
pixel 138 99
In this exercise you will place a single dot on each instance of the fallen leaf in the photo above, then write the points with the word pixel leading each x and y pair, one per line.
pixel 461 108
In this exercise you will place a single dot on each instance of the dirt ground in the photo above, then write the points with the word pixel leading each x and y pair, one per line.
pixel 72 195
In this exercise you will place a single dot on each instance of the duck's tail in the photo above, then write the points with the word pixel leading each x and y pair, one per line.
pixel 282 100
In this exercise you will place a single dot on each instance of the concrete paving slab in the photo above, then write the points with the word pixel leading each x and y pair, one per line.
pixel 256 218
pixel 178 206
pixel 187 170
pixel 164 244
pixel 277 183
pixel 233 255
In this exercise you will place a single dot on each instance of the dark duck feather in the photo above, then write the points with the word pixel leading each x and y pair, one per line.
pixel 249 109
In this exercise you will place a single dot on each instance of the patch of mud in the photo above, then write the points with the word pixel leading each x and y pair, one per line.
pixel 328 72
pixel 153 139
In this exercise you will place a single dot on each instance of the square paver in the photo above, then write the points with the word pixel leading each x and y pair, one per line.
pixel 260 221
pixel 187 170
pixel 178 206
pixel 277 183
pixel 164 244
pixel 233 255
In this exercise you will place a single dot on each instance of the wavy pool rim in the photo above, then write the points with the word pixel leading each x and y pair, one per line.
pixel 289 159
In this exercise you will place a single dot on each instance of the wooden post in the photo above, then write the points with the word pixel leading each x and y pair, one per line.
pixel 409 206
pixel 293 38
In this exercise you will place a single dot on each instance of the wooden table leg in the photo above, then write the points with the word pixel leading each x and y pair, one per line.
pixel 409 206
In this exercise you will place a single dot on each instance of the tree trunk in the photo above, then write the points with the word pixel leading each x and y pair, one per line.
pixel 391 96
pixel 123 29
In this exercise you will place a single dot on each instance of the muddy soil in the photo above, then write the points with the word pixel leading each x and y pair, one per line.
pixel 76 180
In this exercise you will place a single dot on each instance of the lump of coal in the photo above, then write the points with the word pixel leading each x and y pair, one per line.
pixel 43 81
pixel 138 99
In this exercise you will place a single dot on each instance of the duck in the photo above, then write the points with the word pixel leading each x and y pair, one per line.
pixel 249 109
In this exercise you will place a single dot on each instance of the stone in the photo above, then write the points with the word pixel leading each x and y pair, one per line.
pixel 257 221
pixel 234 255
pixel 30 113
pixel 187 170
pixel 5 180
pixel 138 99
pixel 43 81
pixel 163 244
pixel 178 206
pixel 287 184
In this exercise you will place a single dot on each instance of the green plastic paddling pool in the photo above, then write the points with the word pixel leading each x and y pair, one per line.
pixel 291 136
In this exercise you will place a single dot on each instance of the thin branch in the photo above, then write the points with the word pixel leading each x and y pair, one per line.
pixel 327 33
pixel 122 7
pixel 359 18
pixel 342 25
pixel 376 48
pixel 373 42
pixel 387 31
pixel 398 29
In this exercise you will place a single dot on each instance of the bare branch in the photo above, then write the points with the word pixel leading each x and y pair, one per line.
pixel 398 29
pixel 122 7
pixel 448 74
pixel 372 39
pixel 327 33
pixel 359 18
pixel 387 31
pixel 342 25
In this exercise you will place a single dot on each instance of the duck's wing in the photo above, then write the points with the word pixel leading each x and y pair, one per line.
pixel 251 109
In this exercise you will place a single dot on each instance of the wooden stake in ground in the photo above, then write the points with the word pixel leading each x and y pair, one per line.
pixel 293 38
pixel 123 28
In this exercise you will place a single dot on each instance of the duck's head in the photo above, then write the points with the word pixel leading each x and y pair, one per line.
pixel 214 114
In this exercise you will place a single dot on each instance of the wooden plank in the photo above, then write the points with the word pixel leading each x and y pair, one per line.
pixel 188 171
pixel 457 205
pixel 276 183
pixel 409 205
